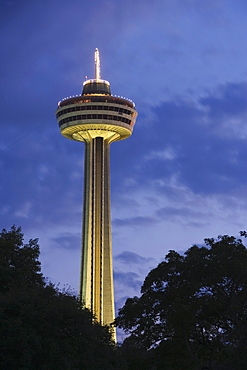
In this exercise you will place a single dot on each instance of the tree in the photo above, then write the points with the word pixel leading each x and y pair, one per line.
pixel 19 264
pixel 193 309
pixel 40 326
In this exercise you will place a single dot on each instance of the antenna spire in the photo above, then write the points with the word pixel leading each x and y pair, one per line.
pixel 97 64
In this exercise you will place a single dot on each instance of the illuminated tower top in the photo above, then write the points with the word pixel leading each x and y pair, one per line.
pixel 96 85
pixel 96 113
pixel 97 64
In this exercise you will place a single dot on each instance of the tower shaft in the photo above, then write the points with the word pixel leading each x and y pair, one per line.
pixel 96 284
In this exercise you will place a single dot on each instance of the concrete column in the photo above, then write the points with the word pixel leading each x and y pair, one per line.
pixel 96 270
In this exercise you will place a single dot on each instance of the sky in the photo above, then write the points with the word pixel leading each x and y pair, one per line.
pixel 181 177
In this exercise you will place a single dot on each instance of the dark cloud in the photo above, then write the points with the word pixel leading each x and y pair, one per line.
pixel 127 257
pixel 67 241
pixel 204 142
pixel 180 212
pixel 134 221
pixel 230 101
pixel 35 172
pixel 128 279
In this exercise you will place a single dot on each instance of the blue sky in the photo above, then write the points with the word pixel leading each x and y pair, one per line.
pixel 180 178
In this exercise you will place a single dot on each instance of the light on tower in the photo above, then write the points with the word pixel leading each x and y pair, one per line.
pixel 97 118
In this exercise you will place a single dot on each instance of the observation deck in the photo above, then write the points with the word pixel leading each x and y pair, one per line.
pixel 96 113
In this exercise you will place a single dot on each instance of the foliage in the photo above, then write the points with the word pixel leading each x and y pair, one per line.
pixel 193 309
pixel 19 264
pixel 40 326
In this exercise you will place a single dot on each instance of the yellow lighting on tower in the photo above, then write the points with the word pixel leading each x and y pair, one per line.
pixel 97 118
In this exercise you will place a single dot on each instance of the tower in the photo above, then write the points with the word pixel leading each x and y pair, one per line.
pixel 97 118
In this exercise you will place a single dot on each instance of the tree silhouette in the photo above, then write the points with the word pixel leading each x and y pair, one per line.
pixel 40 326
pixel 192 313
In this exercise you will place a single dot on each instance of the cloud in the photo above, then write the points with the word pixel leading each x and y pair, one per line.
pixel 200 143
pixel 128 279
pixel 227 111
pixel 139 221
pixel 69 241
pixel 181 212
pixel 166 154
pixel 127 258
pixel 24 212
pixel 229 101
